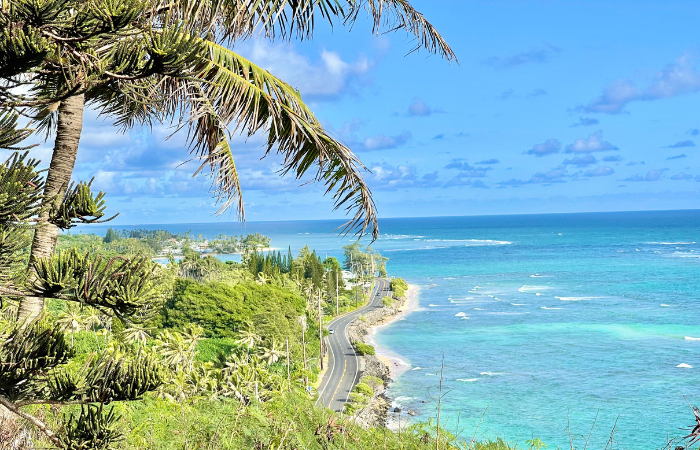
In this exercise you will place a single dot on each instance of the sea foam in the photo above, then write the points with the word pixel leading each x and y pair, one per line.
pixel 684 366
pixel 526 288
pixel 491 373
pixel 688 338
pixel 467 379
pixel 460 314
pixel 576 299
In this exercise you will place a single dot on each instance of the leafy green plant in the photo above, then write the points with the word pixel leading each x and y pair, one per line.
pixel 363 349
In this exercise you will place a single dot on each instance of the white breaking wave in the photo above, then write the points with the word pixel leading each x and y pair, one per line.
pixel 433 305
pixel 460 314
pixel 464 318
pixel 684 366
pixel 491 373
pixel 575 299
pixel 673 243
pixel 664 305
pixel 467 379
pixel 472 241
pixel 518 304
pixel 479 309
pixel 544 307
pixel 417 368
pixel 537 275
pixel 688 338
pixel 526 288
pixel 537 293
pixel 507 313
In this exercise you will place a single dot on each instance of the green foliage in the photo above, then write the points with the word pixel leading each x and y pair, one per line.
pixel 373 382
pixel 399 287
pixel 213 348
pixel 222 309
pixel 387 302
pixel 364 389
pixel 363 349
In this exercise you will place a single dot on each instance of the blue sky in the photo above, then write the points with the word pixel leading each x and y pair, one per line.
pixel 554 107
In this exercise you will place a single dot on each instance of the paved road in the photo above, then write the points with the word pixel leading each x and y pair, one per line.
pixel 343 363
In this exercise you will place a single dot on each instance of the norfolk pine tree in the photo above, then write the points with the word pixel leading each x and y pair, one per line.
pixel 33 355
pixel 146 61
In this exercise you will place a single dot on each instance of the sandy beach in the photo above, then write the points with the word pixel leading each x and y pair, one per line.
pixel 396 364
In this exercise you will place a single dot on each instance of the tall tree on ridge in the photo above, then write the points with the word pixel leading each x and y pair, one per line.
pixel 145 61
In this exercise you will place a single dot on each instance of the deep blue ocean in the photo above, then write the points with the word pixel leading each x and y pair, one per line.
pixel 544 321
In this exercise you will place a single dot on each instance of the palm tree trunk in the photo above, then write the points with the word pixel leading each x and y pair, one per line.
pixel 68 130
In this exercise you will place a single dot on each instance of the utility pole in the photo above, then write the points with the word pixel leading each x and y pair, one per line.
pixel 303 346
pixel 289 378
pixel 336 293
pixel 320 331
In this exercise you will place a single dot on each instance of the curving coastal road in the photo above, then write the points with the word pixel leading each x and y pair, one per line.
pixel 343 363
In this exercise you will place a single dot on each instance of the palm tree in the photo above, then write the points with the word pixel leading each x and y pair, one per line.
pixel 73 319
pixel 273 353
pixel 137 334
pixel 166 62
pixel 178 349
pixel 248 338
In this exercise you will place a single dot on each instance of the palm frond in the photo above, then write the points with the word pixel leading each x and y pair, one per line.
pixel 296 18
pixel 231 91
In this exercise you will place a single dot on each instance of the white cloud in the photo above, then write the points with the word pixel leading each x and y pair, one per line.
pixel 326 78
pixel 675 79
pixel 547 147
pixel 593 143
pixel 382 141
pixel 600 171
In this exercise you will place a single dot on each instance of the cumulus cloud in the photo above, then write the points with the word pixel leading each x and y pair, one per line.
pixel 675 79
pixel 682 176
pixel 580 161
pixel 537 55
pixel 593 143
pixel 327 77
pixel 546 148
pixel 612 158
pixel 694 132
pixel 537 93
pixel 682 144
pixel 682 155
pixel 556 175
pixel 585 122
pixel 383 142
pixel 418 108
pixel 462 182
pixel 389 177
pixel 652 175
pixel 466 169
pixel 488 161
pixel 600 171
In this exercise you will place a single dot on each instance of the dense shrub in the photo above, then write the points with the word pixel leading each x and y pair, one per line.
pixel 364 349
pixel 399 287
pixel 364 389
pixel 222 309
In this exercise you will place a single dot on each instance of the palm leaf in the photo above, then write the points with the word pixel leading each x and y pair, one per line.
pixel 290 18
pixel 231 91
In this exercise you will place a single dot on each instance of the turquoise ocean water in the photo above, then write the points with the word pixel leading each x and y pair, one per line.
pixel 544 321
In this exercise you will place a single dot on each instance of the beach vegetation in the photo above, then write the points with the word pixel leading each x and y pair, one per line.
pixel 364 389
pixel 387 302
pixel 363 349
pixel 372 381
pixel 399 287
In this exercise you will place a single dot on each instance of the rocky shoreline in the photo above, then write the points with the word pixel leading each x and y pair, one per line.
pixel 376 412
